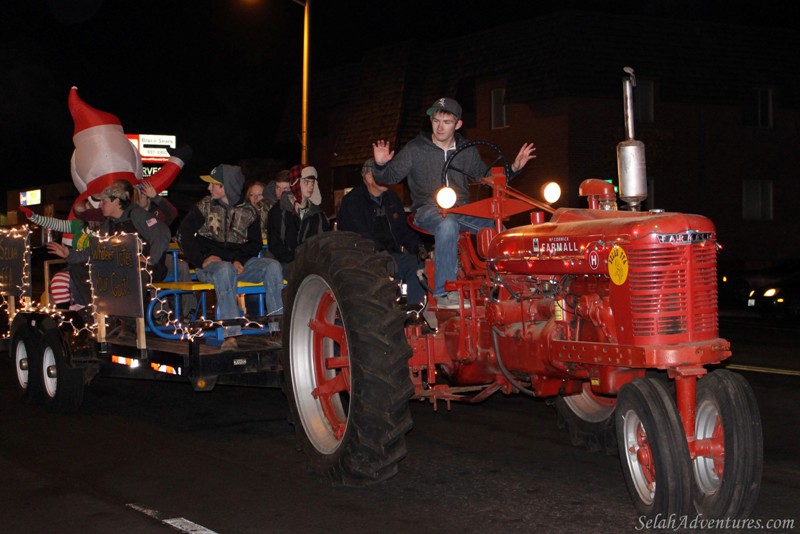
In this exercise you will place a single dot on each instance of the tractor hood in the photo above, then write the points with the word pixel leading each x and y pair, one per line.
pixel 584 237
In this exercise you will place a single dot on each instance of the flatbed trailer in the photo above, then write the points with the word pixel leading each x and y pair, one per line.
pixel 56 353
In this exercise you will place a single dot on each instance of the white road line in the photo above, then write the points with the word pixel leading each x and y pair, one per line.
pixel 184 525
pixel 768 370
pixel 179 523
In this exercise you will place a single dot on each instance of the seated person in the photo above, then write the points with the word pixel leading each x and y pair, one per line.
pixel 282 184
pixel 121 215
pixel 374 211
pixel 79 231
pixel 297 215
pixel 221 237
pixel 420 162
pixel 148 198
pixel 255 197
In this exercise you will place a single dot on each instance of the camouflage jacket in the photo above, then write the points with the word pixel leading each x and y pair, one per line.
pixel 213 228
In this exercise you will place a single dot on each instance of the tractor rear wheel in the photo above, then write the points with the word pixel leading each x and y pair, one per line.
pixel 727 477
pixel 346 360
pixel 653 449
pixel 589 419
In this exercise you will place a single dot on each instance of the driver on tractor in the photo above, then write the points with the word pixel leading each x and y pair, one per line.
pixel 421 162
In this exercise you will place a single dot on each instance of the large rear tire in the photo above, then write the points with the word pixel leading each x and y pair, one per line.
pixel 727 479
pixel 589 419
pixel 62 385
pixel 25 356
pixel 346 360
pixel 653 449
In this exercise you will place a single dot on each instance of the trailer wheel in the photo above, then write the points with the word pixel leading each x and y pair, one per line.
pixel 589 419
pixel 24 352
pixel 653 449
pixel 62 385
pixel 727 479
pixel 346 360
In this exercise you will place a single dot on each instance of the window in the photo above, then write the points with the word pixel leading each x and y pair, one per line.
pixel 643 101
pixel 499 118
pixel 758 110
pixel 757 200
pixel 764 99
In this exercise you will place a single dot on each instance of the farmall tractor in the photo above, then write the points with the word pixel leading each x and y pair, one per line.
pixel 610 314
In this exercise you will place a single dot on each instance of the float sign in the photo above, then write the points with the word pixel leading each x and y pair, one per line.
pixel 15 263
pixel 115 275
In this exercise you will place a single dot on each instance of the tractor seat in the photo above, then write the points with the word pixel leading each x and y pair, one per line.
pixel 410 221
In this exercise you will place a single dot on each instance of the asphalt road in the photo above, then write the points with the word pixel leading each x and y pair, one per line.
pixel 142 456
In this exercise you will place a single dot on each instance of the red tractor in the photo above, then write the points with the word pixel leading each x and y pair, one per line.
pixel 611 314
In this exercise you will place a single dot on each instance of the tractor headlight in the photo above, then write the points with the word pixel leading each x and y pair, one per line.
pixel 446 197
pixel 551 192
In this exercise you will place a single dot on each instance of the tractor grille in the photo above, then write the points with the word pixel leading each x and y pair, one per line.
pixel 673 291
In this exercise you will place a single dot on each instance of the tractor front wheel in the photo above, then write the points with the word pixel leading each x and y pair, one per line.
pixel 727 468
pixel 653 450
pixel 346 360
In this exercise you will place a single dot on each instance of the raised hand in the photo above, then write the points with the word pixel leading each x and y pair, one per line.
pixel 26 211
pixel 382 152
pixel 525 154
pixel 147 189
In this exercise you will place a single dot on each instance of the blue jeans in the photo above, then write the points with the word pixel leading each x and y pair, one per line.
pixel 223 275
pixel 407 266
pixel 445 231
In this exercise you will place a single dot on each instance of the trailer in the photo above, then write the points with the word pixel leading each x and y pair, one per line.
pixel 56 353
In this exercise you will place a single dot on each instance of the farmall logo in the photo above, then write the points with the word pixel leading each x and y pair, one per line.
pixel 686 238
pixel 556 245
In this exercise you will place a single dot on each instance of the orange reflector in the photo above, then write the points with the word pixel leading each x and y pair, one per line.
pixel 167 369
pixel 130 362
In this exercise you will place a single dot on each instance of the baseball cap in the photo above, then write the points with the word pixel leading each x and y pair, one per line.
pixel 215 177
pixel 447 105
pixel 115 190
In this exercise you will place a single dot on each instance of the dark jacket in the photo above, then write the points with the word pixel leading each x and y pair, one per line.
pixel 154 234
pixel 162 209
pixel 286 231
pixel 213 228
pixel 384 223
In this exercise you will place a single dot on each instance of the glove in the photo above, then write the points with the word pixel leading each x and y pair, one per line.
pixel 422 253
pixel 183 153
pixel 26 211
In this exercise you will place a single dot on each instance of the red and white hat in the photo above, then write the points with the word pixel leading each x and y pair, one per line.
pixel 102 152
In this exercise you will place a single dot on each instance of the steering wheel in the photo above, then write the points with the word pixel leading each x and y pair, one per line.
pixel 500 157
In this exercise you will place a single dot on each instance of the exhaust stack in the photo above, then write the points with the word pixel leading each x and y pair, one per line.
pixel 630 153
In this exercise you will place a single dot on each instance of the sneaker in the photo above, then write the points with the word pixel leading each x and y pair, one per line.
pixel 229 343
pixel 449 301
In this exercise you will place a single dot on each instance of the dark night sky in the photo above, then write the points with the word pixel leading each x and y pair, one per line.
pixel 216 73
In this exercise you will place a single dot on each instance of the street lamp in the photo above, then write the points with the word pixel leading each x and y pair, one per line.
pixel 304 124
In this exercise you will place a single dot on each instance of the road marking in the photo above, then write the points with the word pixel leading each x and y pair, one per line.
pixel 180 523
pixel 768 370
